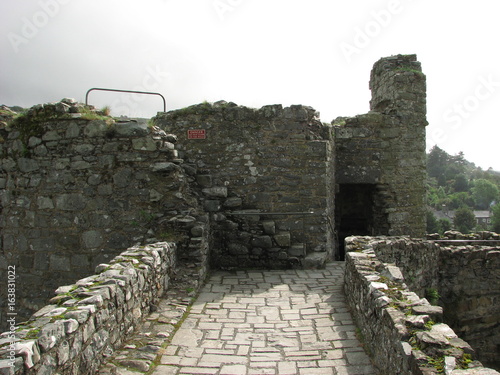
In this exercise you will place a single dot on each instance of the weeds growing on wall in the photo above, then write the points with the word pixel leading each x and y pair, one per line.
pixel 432 296
pixel 30 123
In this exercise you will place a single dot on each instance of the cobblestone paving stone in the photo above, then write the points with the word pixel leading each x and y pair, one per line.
pixel 258 322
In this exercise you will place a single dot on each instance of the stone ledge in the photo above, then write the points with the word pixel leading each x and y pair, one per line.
pixel 397 326
pixel 88 320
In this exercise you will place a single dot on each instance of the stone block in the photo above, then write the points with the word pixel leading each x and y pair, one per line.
pixel 435 312
pixel 68 240
pixel 45 203
pixel 144 144
pixel 282 255
pixel 298 250
pixel 212 205
pixel 123 177
pixel 318 149
pixel 59 263
pixel 97 128
pixel 216 192
pixel 42 244
pixel 257 251
pixel 269 227
pixel 197 231
pixel 51 135
pixel 233 202
pixel 118 241
pixel 92 239
pixel 27 165
pixel 131 129
pixel 427 338
pixel 283 239
pixel 41 151
pixel 71 202
pixel 315 261
pixel 237 249
pixel 262 241
pixel 165 167
pixel 41 261
pixel 84 149
pixel 393 273
pixel 204 181
pixel 106 189
pixel 73 131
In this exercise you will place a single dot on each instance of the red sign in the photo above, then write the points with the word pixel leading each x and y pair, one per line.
pixel 197 134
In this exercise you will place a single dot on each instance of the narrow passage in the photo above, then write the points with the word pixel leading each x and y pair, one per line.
pixel 268 322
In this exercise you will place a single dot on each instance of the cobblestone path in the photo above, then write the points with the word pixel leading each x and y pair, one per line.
pixel 267 322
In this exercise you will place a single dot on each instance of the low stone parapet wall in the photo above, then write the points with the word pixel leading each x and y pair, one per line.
pixel 85 322
pixel 469 289
pixel 402 331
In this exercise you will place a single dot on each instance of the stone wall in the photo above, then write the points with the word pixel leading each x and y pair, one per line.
pixel 88 320
pixel 465 274
pixel 266 177
pixel 385 148
pixel 465 278
pixel 76 189
pixel 418 259
pixel 470 291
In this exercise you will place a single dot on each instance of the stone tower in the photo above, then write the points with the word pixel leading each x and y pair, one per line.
pixel 380 162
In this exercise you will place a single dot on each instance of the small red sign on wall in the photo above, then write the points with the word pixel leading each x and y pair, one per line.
pixel 197 134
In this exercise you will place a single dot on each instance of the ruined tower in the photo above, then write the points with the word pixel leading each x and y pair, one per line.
pixel 380 162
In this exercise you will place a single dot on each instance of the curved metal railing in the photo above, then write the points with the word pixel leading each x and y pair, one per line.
pixel 128 92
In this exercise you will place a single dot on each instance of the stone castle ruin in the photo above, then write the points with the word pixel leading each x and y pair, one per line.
pixel 275 186
pixel 286 189
pixel 232 187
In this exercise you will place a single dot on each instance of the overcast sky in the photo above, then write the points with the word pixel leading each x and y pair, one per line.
pixel 259 52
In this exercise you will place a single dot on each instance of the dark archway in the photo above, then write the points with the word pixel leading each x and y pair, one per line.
pixel 354 205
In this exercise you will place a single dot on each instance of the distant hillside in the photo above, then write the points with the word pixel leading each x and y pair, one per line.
pixel 455 183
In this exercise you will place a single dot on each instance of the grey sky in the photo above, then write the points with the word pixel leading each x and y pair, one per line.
pixel 258 52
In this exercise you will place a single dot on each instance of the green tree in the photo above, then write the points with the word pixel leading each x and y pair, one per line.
pixel 464 220
pixel 459 159
pixel 432 223
pixel 444 225
pixel 484 193
pixel 437 161
pixel 461 184
pixel 496 218
pixel 458 200
pixel 452 172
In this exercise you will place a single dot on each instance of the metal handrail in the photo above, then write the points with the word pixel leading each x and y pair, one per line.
pixel 240 213
pixel 129 92
pixel 466 241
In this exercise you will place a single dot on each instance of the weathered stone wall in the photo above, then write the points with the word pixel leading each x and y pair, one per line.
pixel 418 259
pixel 76 190
pixel 87 320
pixel 466 278
pixel 386 147
pixel 265 176
pixel 402 331
pixel 470 291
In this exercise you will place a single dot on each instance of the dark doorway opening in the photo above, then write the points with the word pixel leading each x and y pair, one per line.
pixel 353 213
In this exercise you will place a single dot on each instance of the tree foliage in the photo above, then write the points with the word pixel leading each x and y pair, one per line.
pixel 484 193
pixel 464 220
pixel 453 183
pixel 432 223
